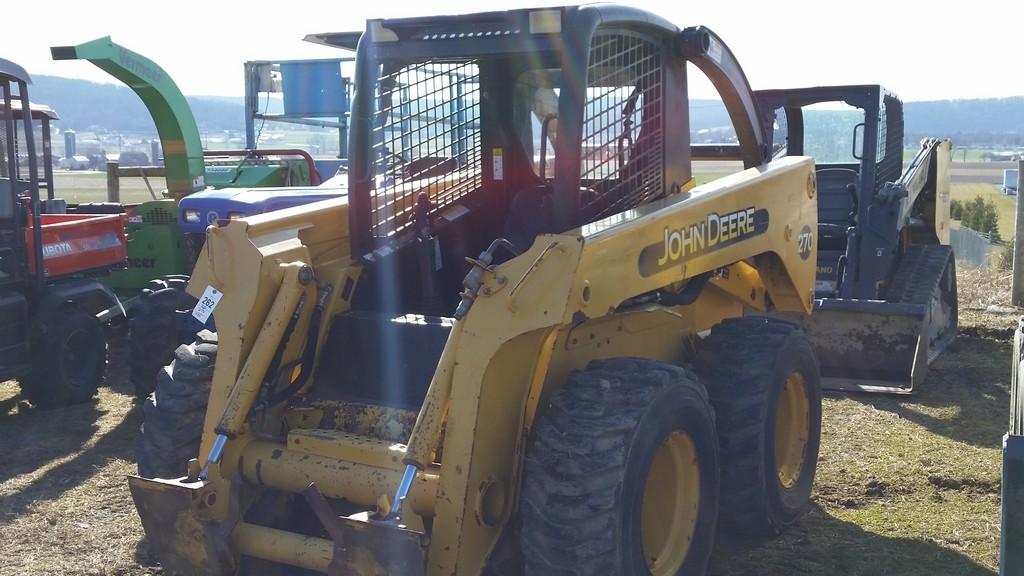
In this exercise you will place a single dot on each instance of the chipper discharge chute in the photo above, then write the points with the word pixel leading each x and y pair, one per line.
pixel 523 343
pixel 886 283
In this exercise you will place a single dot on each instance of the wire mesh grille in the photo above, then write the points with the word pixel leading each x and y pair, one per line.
pixel 160 215
pixel 4 172
pixel 426 140
pixel 623 140
pixel 889 156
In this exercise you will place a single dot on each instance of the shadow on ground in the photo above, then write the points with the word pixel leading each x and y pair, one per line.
pixel 823 544
pixel 31 439
pixel 119 442
pixel 973 378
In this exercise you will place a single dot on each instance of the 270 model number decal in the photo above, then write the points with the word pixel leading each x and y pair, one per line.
pixel 805 242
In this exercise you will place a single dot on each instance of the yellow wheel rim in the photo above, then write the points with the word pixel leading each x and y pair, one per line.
pixel 792 429
pixel 670 506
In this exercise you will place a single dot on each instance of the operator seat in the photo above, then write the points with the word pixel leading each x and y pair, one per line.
pixel 529 215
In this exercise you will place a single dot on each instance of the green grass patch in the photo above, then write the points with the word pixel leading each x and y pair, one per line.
pixel 905 485
pixel 1006 206
pixel 80 187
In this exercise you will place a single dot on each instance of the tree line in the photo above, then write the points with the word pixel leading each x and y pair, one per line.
pixel 977 214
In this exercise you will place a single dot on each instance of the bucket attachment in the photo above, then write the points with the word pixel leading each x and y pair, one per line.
pixel 870 345
pixel 887 345
pixel 182 540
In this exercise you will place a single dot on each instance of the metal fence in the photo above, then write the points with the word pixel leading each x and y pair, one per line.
pixel 972 249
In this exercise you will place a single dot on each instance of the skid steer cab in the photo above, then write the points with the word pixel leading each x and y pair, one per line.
pixel 525 342
pixel 52 308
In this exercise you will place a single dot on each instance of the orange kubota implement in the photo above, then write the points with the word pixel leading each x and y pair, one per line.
pixel 77 243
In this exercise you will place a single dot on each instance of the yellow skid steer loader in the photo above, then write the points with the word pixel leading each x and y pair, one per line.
pixel 524 343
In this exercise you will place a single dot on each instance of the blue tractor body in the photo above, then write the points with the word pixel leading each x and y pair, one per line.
pixel 199 210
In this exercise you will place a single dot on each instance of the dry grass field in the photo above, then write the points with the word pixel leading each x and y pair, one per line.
pixel 906 485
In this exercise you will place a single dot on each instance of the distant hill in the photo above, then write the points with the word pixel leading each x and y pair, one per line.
pixel 85 105
pixel 989 121
pixel 995 122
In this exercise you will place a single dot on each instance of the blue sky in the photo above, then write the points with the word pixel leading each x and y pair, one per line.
pixel 928 51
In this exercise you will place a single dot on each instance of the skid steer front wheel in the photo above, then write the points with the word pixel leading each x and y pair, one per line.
pixel 763 380
pixel 622 474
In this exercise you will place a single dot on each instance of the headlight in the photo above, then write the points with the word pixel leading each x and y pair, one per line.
pixel 192 216
pixel 235 215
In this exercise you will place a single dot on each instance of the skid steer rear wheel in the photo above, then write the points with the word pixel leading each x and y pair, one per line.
pixel 172 416
pixel 763 381
pixel 622 474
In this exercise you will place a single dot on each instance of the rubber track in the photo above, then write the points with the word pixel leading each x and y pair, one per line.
pixel 919 273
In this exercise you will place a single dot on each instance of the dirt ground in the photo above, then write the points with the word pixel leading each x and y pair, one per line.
pixel 905 485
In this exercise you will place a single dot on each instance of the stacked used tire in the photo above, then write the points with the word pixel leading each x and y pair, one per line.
pixel 160 321
pixel 172 358
pixel 173 414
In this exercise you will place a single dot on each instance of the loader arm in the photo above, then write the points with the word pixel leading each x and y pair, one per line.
pixel 928 172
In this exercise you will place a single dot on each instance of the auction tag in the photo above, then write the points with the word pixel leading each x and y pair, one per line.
pixel 211 296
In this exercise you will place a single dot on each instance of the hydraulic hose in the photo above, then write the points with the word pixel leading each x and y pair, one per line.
pixel 308 354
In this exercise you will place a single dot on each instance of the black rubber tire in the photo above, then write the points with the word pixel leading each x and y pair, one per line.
pixel 173 415
pixel 587 465
pixel 744 363
pixel 154 331
pixel 69 358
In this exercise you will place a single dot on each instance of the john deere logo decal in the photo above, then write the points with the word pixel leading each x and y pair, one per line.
pixel 714 232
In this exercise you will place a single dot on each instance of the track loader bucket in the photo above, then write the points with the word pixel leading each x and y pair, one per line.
pixel 887 345
pixel 870 345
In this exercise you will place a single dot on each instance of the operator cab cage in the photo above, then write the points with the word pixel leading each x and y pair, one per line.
pixel 534 121
pixel 19 173
pixel 881 128
pixel 857 152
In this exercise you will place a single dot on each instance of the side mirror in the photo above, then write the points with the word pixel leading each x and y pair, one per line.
pixel 858 141
pixel 6 199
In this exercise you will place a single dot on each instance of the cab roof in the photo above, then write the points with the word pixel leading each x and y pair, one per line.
pixel 8 68
pixel 502 25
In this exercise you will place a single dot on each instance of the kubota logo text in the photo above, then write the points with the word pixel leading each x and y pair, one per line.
pixel 57 249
